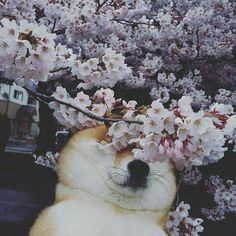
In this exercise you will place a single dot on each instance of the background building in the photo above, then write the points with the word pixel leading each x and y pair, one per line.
pixel 22 110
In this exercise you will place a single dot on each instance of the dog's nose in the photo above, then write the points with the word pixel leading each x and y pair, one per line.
pixel 139 171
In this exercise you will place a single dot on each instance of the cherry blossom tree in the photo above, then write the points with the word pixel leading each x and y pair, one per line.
pixel 182 52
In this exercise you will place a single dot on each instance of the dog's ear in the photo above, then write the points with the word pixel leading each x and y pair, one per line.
pixel 98 133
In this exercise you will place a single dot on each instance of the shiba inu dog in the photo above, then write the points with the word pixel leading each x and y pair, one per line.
pixel 101 194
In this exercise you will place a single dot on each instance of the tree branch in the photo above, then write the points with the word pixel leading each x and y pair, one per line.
pixel 3 2
pixel 54 25
pixel 133 23
pixel 100 5
pixel 59 69
pixel 59 31
pixel 198 43
pixel 47 99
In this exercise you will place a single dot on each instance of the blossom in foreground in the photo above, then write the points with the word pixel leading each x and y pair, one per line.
pixel 179 133
pixel 181 224
pixel 183 134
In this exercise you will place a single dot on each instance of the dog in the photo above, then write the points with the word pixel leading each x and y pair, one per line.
pixel 101 194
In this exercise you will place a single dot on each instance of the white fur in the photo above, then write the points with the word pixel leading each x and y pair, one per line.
pixel 92 201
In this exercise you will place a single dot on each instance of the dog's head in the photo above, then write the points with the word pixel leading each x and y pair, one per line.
pixel 117 178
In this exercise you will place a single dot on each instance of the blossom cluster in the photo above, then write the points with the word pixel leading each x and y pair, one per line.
pixel 181 224
pixel 192 176
pixel 48 160
pixel 18 10
pixel 224 193
pixel 105 72
pixel 100 104
pixel 179 134
pixel 189 85
pixel 164 42
pixel 27 50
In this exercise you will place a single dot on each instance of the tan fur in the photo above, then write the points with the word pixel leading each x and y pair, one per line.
pixel 120 156
pixel 71 196
pixel 43 225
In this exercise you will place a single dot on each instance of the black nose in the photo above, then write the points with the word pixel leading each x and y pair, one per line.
pixel 139 171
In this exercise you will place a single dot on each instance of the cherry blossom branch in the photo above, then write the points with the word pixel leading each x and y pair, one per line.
pixel 38 96
pixel 100 5
pixel 54 25
pixel 198 43
pixel 4 2
pixel 60 31
pixel 59 69
pixel 175 8
pixel 46 99
pixel 133 23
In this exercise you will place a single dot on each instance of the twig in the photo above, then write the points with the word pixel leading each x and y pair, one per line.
pixel 39 97
pixel 3 2
pixel 133 23
pixel 59 31
pixel 54 25
pixel 100 5
pixel 175 8
pixel 198 43
pixel 59 69
pixel 47 99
